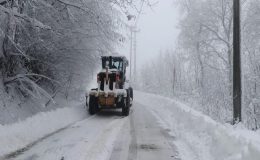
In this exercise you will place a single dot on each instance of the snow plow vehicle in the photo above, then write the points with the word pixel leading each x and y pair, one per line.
pixel 113 90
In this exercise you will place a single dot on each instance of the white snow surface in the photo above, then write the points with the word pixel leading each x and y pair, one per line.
pixel 90 139
pixel 198 137
pixel 18 135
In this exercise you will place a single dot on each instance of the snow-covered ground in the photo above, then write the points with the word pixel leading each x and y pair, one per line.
pixel 198 136
pixel 23 133
pixel 193 136
pixel 89 139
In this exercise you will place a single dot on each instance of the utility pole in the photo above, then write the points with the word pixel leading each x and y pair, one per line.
pixel 131 51
pixel 237 91
pixel 133 44
pixel 135 55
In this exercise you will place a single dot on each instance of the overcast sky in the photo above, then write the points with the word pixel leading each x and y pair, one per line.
pixel 158 31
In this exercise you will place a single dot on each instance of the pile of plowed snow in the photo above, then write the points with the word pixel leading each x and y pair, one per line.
pixel 16 136
pixel 198 137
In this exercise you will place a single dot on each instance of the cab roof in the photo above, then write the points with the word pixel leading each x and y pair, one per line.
pixel 119 58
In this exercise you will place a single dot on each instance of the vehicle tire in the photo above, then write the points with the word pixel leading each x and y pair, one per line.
pixel 93 105
pixel 131 93
pixel 128 98
pixel 126 106
pixel 86 102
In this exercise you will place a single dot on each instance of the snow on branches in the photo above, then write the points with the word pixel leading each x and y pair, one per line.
pixel 48 41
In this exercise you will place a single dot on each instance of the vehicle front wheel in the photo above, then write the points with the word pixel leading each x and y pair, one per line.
pixel 125 108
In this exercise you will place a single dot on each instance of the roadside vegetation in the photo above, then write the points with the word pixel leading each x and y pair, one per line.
pixel 199 69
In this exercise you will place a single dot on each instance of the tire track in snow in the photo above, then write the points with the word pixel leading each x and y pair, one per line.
pixel 144 138
pixel 103 145
pixel 133 145
pixel 19 152
pixel 188 152
pixel 91 139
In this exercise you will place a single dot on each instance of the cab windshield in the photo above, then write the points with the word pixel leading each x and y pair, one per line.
pixel 114 64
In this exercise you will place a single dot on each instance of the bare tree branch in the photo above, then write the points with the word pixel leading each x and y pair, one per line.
pixel 35 22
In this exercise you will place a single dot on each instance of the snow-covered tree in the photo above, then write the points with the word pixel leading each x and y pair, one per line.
pixel 203 59
pixel 50 46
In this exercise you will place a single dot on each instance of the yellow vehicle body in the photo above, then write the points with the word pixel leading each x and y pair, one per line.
pixel 106 101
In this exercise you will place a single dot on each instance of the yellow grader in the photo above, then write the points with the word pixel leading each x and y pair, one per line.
pixel 113 90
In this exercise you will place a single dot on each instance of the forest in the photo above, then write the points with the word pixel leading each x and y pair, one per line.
pixel 52 46
pixel 168 86
pixel 199 69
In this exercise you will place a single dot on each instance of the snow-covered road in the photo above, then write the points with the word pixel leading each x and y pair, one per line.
pixel 157 128
pixel 142 138
pixel 107 135
pixel 90 139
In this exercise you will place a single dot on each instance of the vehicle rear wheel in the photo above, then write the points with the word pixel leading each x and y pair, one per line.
pixel 131 92
pixel 128 98
pixel 126 106
pixel 93 105
pixel 86 101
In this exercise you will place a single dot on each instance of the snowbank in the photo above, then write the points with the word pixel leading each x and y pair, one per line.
pixel 198 136
pixel 21 134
